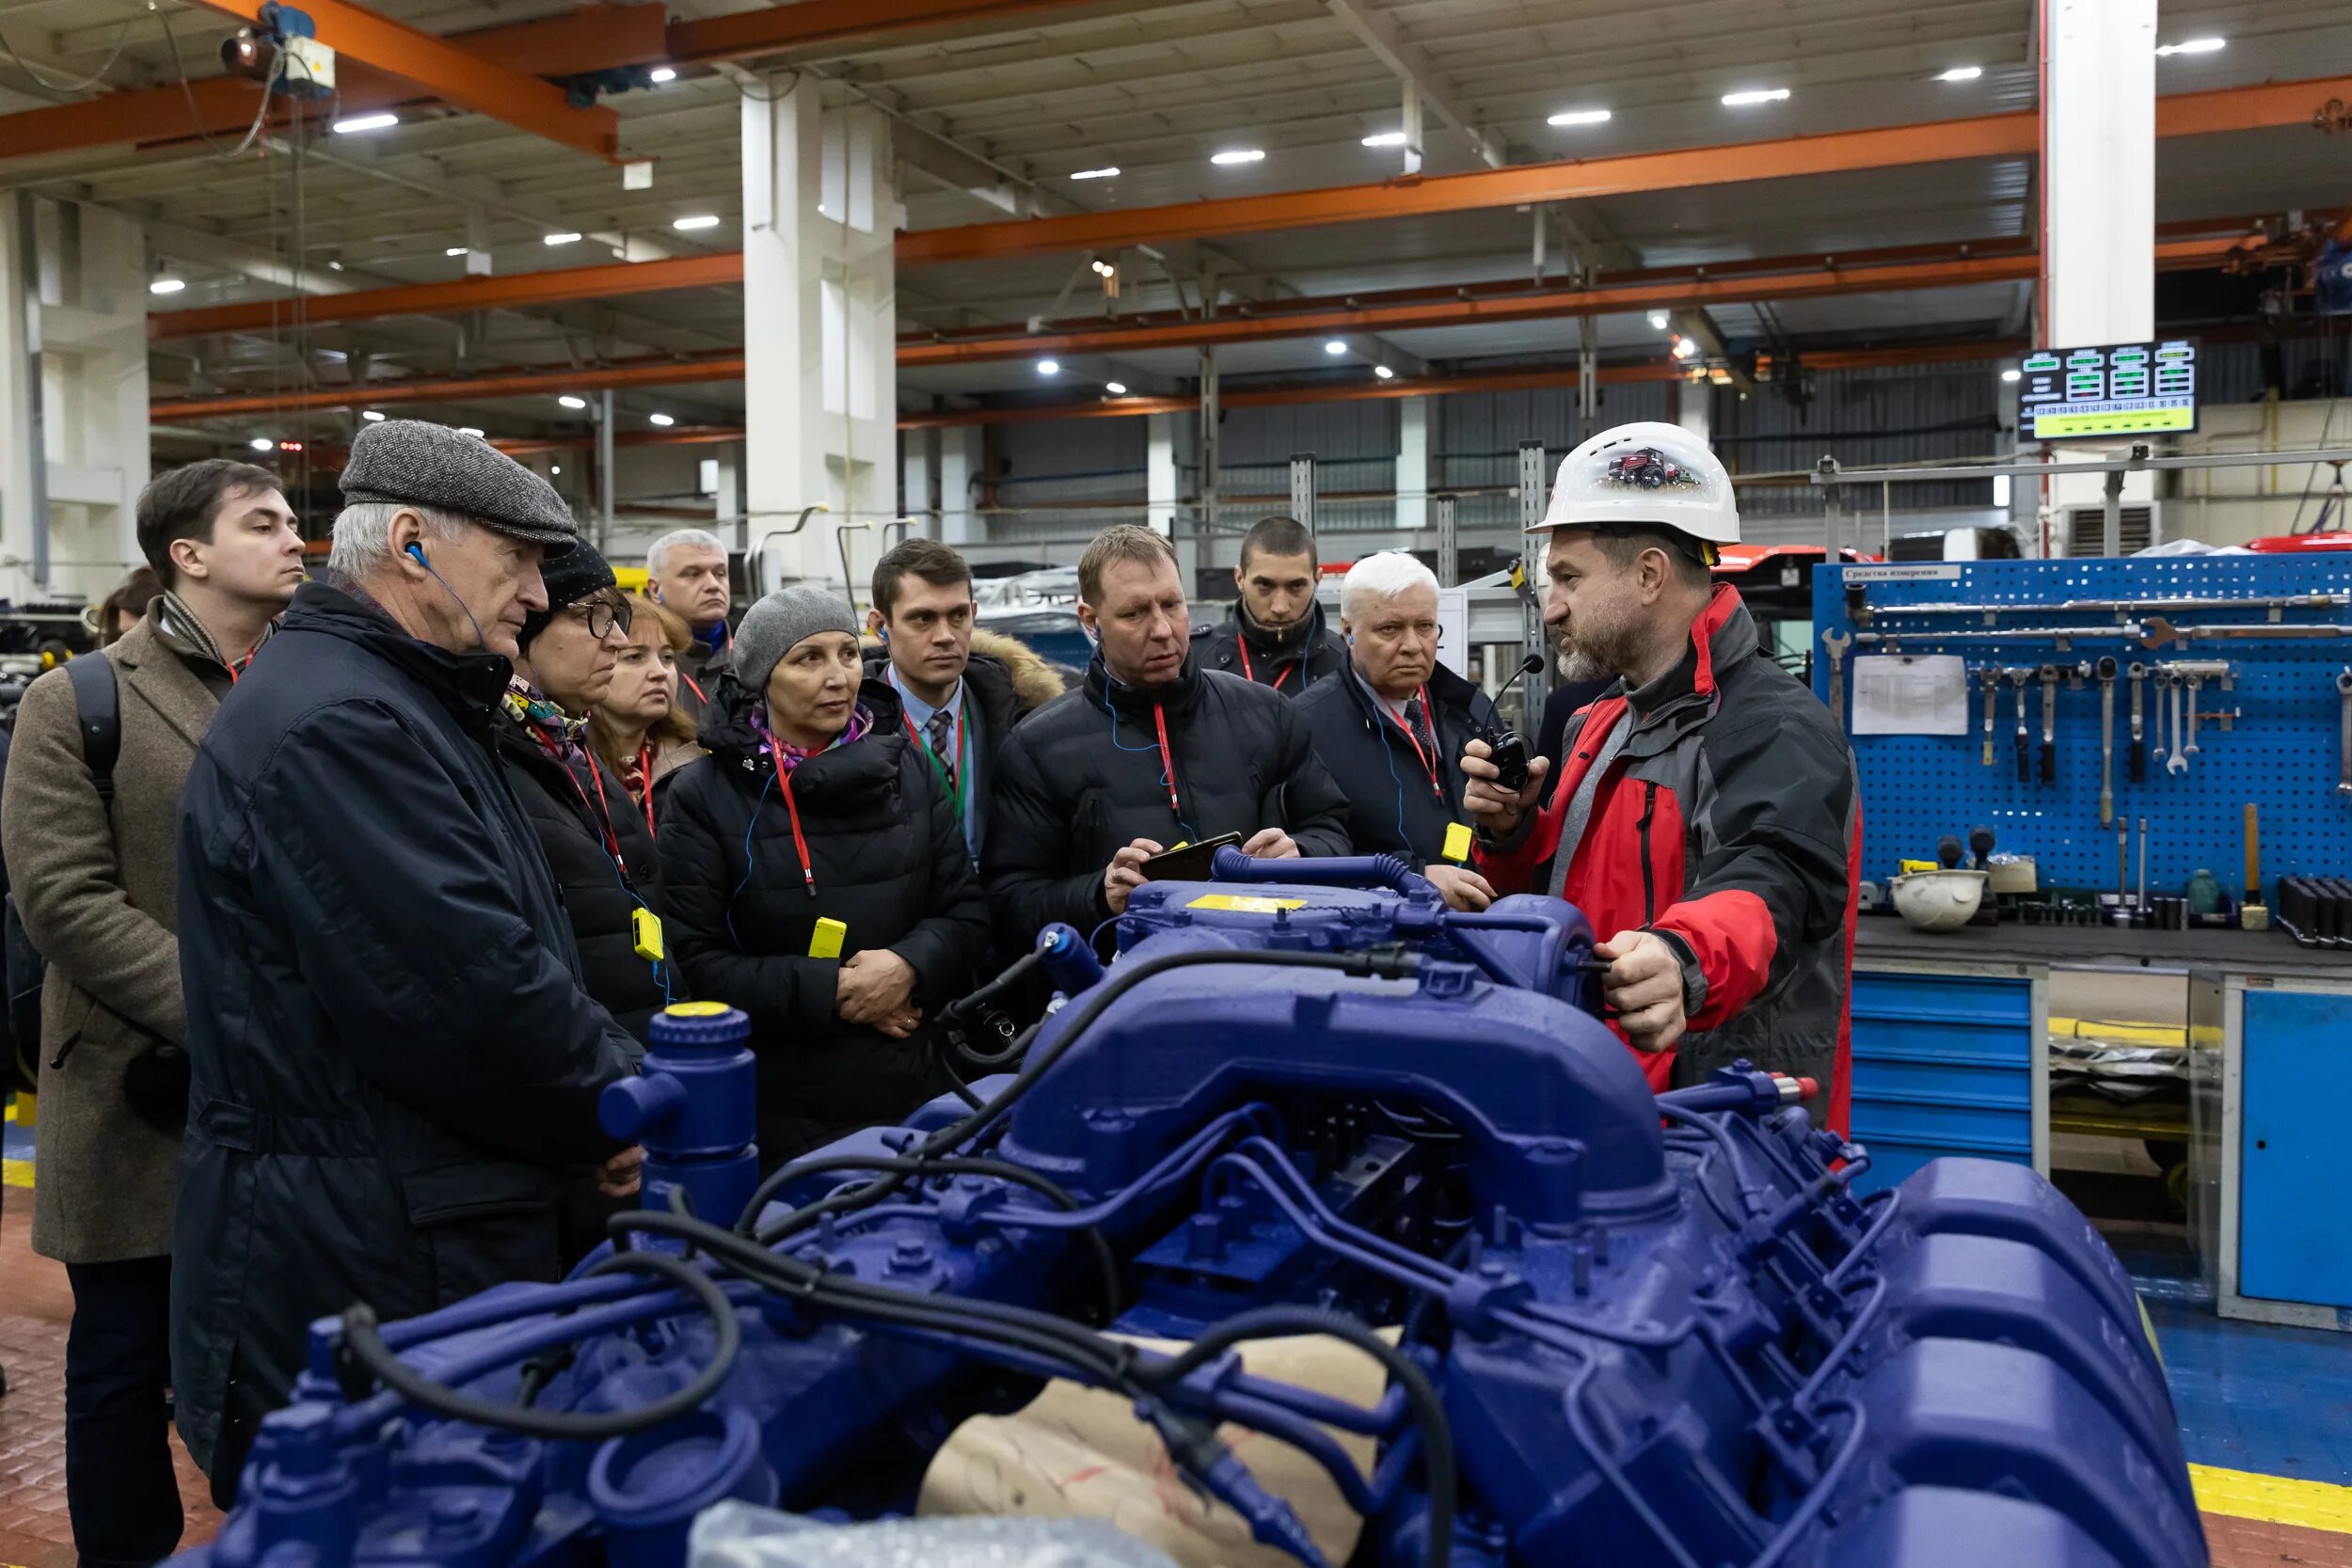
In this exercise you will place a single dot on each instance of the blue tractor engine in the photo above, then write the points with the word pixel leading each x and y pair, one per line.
pixel 1628 1329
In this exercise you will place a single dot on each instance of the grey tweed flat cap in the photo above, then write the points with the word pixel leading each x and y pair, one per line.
pixel 429 464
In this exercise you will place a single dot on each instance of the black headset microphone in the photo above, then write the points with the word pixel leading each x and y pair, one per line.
pixel 415 553
pixel 1508 749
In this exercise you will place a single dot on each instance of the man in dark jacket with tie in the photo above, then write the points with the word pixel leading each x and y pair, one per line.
pixel 395 1059
pixel 1391 726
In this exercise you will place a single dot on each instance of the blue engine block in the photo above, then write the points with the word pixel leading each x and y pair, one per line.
pixel 1661 1330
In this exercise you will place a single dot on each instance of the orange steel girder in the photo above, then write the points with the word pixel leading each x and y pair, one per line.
pixel 512 291
pixel 441 67
pixel 662 372
pixel 2014 135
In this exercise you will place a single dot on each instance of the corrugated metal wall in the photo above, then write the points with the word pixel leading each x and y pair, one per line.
pixel 1864 419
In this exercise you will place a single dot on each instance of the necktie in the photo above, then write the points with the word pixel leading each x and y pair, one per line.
pixel 1417 720
pixel 940 727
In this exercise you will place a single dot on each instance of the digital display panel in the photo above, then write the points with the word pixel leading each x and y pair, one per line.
pixel 2068 394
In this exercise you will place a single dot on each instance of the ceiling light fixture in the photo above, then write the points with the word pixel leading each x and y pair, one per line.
pixel 1685 347
pixel 1049 367
pixel 262 443
pixel 570 401
pixel 1385 138
pixel 2013 374
pixel 1658 320
pixel 696 220
pixel 470 430
pixel 2190 46
pixel 662 74
pixel 561 239
pixel 1753 96
pixel 1960 73
pixel 556 469
pixel 1116 388
pixel 454 250
pixel 1110 173
pixel 1384 373
pixel 1335 346
pixel 1239 155
pixel 167 285
pixel 371 415
pixel 1580 117
pixel 662 419
pixel 365 122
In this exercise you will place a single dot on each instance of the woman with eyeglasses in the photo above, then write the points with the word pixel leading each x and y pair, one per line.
pixel 598 843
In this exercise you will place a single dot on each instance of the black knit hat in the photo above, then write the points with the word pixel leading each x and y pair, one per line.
pixel 571 577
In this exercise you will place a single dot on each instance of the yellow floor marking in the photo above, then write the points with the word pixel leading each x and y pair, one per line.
pixel 2273 1500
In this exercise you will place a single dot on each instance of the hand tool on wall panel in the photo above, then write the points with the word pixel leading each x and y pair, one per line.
pixel 2049 674
pixel 2344 740
pixel 2017 678
pixel 2178 761
pixel 2106 668
pixel 2251 912
pixel 2143 862
pixel 1837 643
pixel 1992 676
pixel 2196 686
pixel 2139 753
pixel 2158 631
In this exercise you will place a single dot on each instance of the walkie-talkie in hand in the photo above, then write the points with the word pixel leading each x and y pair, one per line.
pixel 1508 749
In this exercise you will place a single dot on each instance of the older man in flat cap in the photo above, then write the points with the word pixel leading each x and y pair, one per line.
pixel 395 1059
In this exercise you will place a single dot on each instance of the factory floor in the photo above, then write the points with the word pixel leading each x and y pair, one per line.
pixel 2265 1413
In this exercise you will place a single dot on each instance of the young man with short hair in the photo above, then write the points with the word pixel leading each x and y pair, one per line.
pixel 97 884
pixel 685 569
pixel 1153 750
pixel 1275 635
pixel 963 689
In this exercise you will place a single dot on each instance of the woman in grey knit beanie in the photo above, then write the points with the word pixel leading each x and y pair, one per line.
pixel 824 886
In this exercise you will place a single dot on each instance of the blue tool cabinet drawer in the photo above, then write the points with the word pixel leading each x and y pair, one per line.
pixel 2295 1231
pixel 1943 1064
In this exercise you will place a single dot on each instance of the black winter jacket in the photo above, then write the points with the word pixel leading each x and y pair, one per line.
pixel 1396 805
pixel 988 688
pixel 394 1058
pixel 1289 663
pixel 1081 779
pixel 889 861
pixel 572 817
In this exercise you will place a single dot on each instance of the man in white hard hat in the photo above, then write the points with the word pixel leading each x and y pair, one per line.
pixel 1706 818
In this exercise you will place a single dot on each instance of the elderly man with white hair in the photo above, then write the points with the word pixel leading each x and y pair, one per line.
pixel 685 570
pixel 1391 725
pixel 394 1058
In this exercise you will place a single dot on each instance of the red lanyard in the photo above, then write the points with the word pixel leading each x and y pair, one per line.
pixel 604 813
pixel 800 845
pixel 242 665
pixel 1167 761
pixel 1248 674
pixel 644 771
pixel 692 685
pixel 1428 764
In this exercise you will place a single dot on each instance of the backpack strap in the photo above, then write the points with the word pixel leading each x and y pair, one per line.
pixel 98 708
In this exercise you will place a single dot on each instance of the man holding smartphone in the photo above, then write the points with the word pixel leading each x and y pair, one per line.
pixel 1150 753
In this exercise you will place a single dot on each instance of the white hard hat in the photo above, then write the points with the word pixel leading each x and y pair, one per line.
pixel 1659 474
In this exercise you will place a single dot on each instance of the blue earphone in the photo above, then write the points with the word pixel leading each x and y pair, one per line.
pixel 416 552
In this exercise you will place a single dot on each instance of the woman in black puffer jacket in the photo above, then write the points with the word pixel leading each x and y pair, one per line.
pixel 815 804
pixel 599 845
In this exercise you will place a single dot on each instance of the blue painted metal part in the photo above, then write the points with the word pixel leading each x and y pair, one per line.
pixel 1664 1330
pixel 692 1109
pixel 2291 1248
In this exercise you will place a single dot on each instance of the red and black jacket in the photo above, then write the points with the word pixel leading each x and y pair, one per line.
pixel 1729 823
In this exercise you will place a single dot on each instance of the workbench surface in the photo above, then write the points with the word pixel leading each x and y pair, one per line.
pixel 2271 951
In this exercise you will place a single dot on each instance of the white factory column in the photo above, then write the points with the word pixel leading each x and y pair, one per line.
pixel 2098 192
pixel 821 400
pixel 72 397
pixel 918 467
pixel 1159 472
pixel 1413 464
pixel 963 458
pixel 1695 409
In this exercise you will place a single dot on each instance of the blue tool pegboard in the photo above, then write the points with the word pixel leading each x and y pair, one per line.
pixel 2282 753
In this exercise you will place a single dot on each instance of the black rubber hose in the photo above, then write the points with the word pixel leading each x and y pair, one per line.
pixel 367 1347
pixel 1004 1171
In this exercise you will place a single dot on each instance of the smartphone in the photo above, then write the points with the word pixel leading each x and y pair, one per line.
pixel 1189 862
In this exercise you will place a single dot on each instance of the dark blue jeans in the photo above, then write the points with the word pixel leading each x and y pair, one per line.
pixel 119 1487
